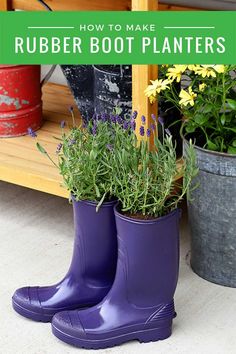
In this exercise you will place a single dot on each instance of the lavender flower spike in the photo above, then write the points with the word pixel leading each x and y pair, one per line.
pixel 148 133
pixel 63 123
pixel 113 118
pixel 135 114
pixel 94 129
pixel 153 116
pixel 153 127
pixel 31 132
pixel 59 146
pixel 141 131
pixel 104 117
pixel 119 120
pixel 143 119
pixel 110 147
pixel 168 132
pixel 133 124
pixel 161 120
pixel 72 142
pixel 126 125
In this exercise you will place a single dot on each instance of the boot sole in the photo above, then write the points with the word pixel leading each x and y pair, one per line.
pixel 143 336
pixel 30 314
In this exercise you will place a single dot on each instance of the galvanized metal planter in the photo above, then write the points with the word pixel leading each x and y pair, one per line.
pixel 212 218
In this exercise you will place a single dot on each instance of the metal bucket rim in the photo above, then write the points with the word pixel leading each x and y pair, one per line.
pixel 108 72
pixel 211 152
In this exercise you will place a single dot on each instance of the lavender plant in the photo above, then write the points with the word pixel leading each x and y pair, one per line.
pixel 145 181
pixel 83 154
pixel 104 160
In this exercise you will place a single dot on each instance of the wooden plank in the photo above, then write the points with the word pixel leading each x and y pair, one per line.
pixel 4 5
pixel 32 180
pixel 56 102
pixel 21 163
pixel 142 74
pixel 73 5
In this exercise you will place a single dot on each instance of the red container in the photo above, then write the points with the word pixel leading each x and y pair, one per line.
pixel 20 99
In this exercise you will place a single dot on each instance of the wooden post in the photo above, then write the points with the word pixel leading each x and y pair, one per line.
pixel 4 5
pixel 142 74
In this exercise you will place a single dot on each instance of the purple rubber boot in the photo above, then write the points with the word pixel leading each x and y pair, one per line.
pixel 92 269
pixel 140 303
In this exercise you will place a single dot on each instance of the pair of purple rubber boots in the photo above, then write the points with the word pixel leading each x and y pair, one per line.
pixel 120 284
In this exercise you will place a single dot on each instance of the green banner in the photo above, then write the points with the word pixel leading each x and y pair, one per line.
pixel 117 37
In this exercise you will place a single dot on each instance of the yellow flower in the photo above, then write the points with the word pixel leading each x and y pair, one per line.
pixel 187 97
pixel 210 70
pixel 165 66
pixel 219 68
pixel 205 70
pixel 156 87
pixel 176 71
pixel 152 99
pixel 202 87
pixel 192 67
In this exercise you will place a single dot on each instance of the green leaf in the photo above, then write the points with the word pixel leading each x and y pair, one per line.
pixel 93 155
pixel 232 129
pixel 234 143
pixel 211 145
pixel 207 108
pixel 222 119
pixel 200 119
pixel 97 191
pixel 231 150
pixel 190 128
pixel 41 149
pixel 231 103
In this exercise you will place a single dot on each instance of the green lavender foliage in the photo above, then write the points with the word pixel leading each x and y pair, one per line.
pixel 145 181
pixel 82 163
pixel 104 161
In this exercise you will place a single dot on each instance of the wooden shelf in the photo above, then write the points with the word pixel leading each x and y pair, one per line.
pixel 20 161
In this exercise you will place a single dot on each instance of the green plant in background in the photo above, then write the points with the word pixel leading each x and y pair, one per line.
pixel 145 181
pixel 208 102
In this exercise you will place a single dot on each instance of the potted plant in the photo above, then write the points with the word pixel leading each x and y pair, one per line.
pixel 140 303
pixel 81 156
pixel 208 105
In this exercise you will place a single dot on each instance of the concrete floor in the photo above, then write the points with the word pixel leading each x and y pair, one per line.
pixel 36 238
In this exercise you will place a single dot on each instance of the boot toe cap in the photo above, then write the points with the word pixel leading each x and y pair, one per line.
pixel 21 296
pixel 68 323
pixel 26 299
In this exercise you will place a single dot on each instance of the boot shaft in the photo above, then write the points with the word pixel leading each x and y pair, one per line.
pixel 148 254
pixel 95 245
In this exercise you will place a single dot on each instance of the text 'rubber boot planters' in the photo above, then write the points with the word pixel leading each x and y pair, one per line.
pixel 92 269
pixel 140 303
